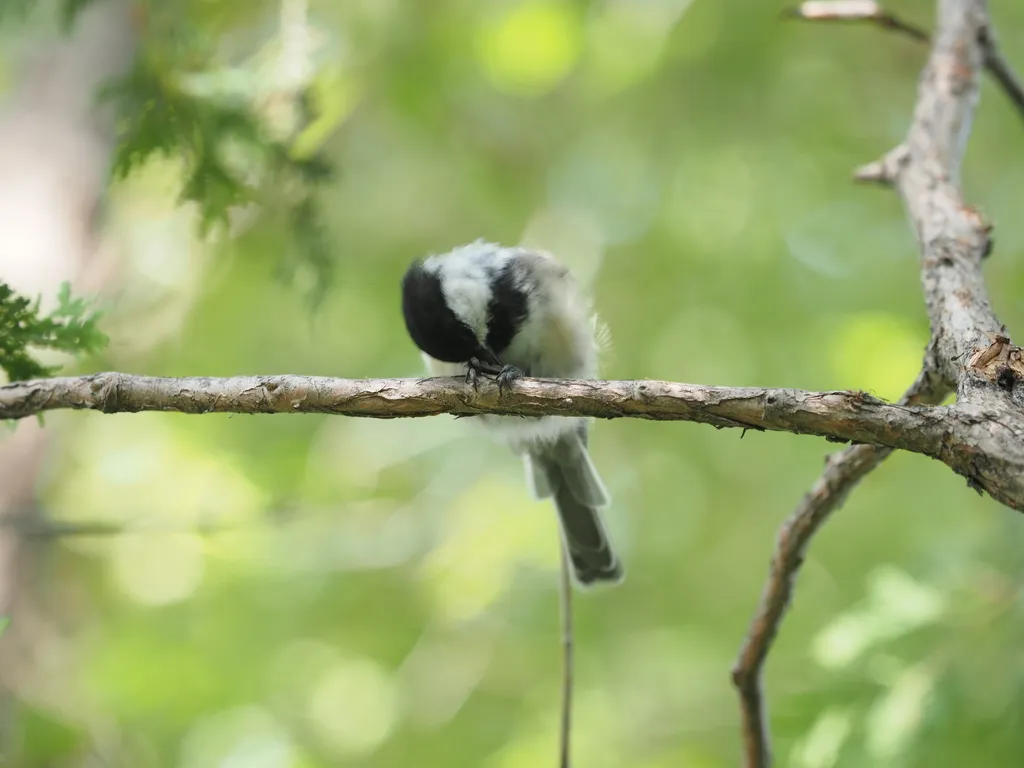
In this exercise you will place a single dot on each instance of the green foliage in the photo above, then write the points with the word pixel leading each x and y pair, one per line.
pixel 68 10
pixel 159 117
pixel 15 8
pixel 43 738
pixel 399 606
pixel 229 159
pixel 72 327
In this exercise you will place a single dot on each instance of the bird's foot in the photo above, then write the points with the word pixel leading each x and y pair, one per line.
pixel 475 368
pixel 505 377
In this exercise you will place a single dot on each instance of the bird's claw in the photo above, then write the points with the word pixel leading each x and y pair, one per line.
pixel 505 377
pixel 475 368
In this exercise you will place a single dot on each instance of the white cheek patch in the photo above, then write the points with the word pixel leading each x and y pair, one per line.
pixel 468 298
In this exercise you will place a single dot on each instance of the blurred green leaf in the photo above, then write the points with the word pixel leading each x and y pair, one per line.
pixel 68 10
pixel 72 327
pixel 159 117
pixel 690 161
pixel 45 740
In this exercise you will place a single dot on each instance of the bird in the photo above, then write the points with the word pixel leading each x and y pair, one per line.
pixel 508 312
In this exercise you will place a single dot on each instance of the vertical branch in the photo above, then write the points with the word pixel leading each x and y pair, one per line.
pixel 1000 69
pixel 953 240
pixel 565 594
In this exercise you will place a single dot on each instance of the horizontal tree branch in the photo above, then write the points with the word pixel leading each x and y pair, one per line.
pixel 986 450
pixel 842 416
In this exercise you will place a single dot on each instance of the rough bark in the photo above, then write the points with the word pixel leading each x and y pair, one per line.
pixel 969 352
pixel 973 441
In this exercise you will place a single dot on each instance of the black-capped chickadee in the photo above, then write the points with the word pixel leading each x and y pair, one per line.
pixel 508 312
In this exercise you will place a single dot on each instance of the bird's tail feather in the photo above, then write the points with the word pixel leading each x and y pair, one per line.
pixel 564 471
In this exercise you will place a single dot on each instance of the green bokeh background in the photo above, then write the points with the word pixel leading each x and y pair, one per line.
pixel 385 594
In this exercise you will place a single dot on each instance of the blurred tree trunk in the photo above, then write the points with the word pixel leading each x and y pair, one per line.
pixel 55 152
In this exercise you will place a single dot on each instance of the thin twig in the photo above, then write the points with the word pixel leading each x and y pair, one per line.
pixel 44 529
pixel 565 601
pixel 871 12
pixel 855 11
pixel 843 471
pixel 1000 69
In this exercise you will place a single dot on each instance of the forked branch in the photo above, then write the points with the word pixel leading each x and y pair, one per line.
pixel 969 350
